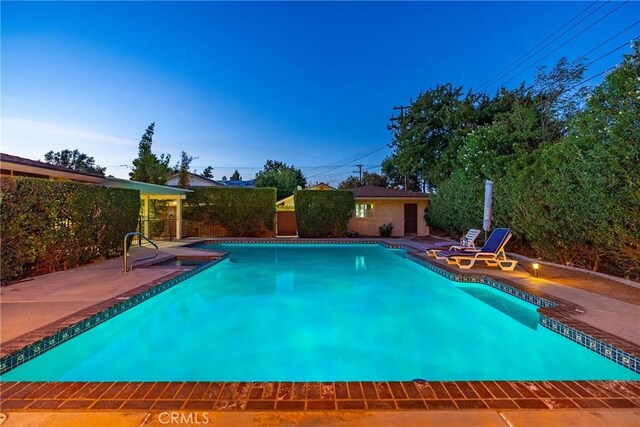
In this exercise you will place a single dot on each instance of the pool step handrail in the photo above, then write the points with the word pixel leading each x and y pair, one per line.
pixel 125 267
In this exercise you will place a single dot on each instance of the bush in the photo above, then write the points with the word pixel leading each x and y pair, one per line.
pixel 54 225
pixel 458 204
pixel 386 230
pixel 323 213
pixel 243 212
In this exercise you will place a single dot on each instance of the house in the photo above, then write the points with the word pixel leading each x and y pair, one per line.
pixel 195 181
pixel 375 206
pixel 286 215
pixel 287 202
pixel 169 196
pixel 19 166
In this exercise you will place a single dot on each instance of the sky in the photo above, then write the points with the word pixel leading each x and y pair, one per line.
pixel 236 83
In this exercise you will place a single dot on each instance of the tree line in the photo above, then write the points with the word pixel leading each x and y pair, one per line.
pixel 563 158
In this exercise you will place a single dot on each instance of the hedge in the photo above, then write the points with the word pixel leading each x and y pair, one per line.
pixel 323 213
pixel 243 212
pixel 54 225
pixel 570 203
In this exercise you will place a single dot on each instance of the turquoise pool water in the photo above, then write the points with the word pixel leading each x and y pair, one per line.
pixel 320 313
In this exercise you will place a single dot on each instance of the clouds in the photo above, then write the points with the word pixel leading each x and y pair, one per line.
pixel 32 139
pixel 15 125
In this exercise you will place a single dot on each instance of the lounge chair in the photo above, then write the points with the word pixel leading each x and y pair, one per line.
pixel 492 253
pixel 467 243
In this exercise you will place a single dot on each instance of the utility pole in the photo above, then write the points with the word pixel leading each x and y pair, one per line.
pixel 401 108
pixel 359 172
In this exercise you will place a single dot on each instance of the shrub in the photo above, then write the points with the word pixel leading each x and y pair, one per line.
pixel 243 212
pixel 458 204
pixel 385 230
pixel 323 213
pixel 53 225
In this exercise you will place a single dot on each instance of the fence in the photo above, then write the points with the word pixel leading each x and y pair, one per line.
pixel 192 228
pixel 158 229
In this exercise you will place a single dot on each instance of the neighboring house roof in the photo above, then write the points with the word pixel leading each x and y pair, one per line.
pixel 321 186
pixel 318 186
pixel 238 183
pixel 369 191
pixel 14 165
pixel 145 188
pixel 195 180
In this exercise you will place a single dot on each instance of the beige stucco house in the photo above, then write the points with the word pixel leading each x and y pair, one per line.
pixel 375 206
pixel 287 203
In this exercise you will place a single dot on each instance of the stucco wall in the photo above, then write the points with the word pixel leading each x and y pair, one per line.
pixel 386 211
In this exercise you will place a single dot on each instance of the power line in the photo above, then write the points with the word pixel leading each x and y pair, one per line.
pixel 351 160
pixel 565 43
pixel 625 44
pixel 594 76
pixel 508 69
pixel 610 38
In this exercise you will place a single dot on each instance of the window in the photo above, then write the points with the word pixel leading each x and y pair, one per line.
pixel 364 210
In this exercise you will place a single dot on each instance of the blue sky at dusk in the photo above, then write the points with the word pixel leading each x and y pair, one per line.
pixel 238 83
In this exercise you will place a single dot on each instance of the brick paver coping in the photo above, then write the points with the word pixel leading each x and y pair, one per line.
pixel 296 396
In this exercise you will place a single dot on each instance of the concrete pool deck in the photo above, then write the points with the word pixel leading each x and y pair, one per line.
pixel 36 302
pixel 33 304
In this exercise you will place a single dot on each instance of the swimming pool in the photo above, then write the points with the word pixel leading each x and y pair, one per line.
pixel 321 313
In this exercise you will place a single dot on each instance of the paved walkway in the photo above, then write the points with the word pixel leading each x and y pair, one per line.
pixel 36 302
pixel 521 418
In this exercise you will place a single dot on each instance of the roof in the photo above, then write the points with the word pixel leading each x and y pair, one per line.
pixel 30 167
pixel 318 186
pixel 375 192
pixel 145 188
pixel 238 183
pixel 194 180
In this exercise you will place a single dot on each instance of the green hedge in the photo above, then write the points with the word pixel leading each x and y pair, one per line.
pixel 323 213
pixel 571 202
pixel 458 205
pixel 243 212
pixel 53 225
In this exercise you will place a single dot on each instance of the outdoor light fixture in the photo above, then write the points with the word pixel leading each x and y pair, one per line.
pixel 535 266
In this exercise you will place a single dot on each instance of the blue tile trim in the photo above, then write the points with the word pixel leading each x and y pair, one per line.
pixel 27 353
pixel 608 351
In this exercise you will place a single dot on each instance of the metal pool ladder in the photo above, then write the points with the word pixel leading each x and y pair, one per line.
pixel 125 267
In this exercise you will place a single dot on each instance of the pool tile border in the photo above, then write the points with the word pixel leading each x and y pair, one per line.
pixel 556 314
pixel 319 396
pixel 25 347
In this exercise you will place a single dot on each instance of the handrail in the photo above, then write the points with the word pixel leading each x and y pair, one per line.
pixel 124 246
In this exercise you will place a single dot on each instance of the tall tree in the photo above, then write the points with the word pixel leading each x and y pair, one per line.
pixel 148 167
pixel 396 178
pixel 74 160
pixel 368 178
pixel 281 176
pixel 182 169
pixel 235 176
pixel 207 172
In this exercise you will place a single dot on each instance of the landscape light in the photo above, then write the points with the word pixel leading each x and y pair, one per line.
pixel 535 266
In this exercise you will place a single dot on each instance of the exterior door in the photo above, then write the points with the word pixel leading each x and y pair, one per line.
pixel 286 223
pixel 410 218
